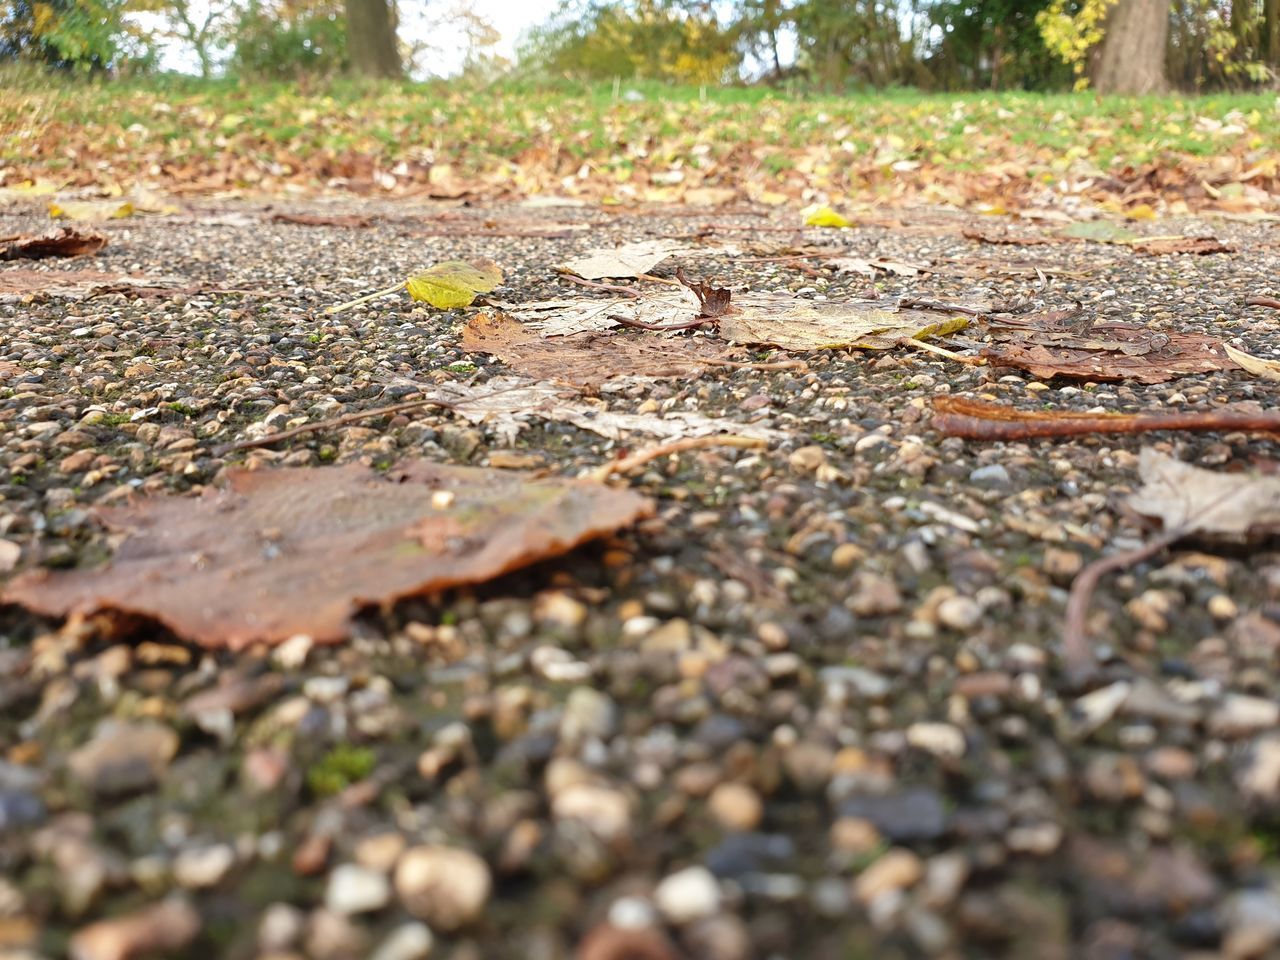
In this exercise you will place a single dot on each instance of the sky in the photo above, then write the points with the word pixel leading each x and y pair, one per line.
pixel 510 17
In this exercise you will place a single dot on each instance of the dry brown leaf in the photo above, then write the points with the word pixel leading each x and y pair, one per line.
pixel 1158 246
pixel 279 553
pixel 321 220
pixel 1228 506
pixel 82 283
pixel 1005 238
pixel 588 359
pixel 66 242
pixel 1112 351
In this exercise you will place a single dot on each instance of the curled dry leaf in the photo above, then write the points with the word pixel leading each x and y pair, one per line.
pixel 1235 507
pixel 629 260
pixel 713 302
pixel 588 359
pixel 1056 344
pixel 319 220
pixel 1158 246
pixel 300 550
pixel 1266 369
pixel 66 242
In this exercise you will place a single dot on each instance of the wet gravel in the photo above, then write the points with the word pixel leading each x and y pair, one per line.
pixel 812 709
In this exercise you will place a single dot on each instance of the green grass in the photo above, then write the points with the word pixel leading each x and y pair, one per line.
pixel 545 132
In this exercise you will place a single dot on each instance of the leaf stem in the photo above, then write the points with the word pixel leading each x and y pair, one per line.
pixel 365 299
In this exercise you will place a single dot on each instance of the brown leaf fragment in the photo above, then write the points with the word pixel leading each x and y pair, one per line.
pixel 23 280
pixel 1236 507
pixel 1159 246
pixel 1061 346
pixel 278 553
pixel 321 220
pixel 66 242
pixel 980 420
pixel 1005 238
pixel 590 358
pixel 712 301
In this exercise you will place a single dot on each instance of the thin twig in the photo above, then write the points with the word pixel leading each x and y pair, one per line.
pixel 639 459
pixel 346 418
pixel 651 277
pixel 1271 302
pixel 1076 649
pixel 592 285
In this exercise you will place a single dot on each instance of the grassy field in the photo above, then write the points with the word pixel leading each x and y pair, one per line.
pixel 530 138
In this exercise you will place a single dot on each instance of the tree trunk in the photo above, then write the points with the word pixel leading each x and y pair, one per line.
pixel 371 39
pixel 1133 49
pixel 1271 33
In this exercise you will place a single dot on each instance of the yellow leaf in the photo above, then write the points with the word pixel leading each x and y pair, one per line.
pixel 454 283
pixel 90 210
pixel 826 217
pixel 40 188
pixel 1142 211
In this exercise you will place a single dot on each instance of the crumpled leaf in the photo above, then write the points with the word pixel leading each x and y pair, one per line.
pixel 323 220
pixel 454 283
pixel 1099 231
pixel 1159 246
pixel 508 405
pixel 629 260
pixel 92 210
pixel 1267 369
pixel 713 301
pixel 83 283
pixel 301 550
pixel 1048 347
pixel 589 359
pixel 64 242
pixel 826 217
pixel 752 318
pixel 1236 507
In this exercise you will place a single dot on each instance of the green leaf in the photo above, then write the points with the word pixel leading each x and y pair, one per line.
pixel 454 283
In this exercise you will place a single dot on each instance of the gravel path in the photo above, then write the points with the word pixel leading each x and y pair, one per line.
pixel 813 709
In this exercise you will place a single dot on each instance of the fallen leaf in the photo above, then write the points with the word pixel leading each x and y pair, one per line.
pixel 1230 506
pixel 1099 231
pixel 454 283
pixel 278 553
pixel 64 242
pixel 510 404
pixel 1047 347
pixel 826 217
pixel 1267 369
pixel 321 220
pixel 754 318
pixel 1012 239
pixel 629 260
pixel 1158 246
pixel 795 324
pixel 28 188
pixel 713 302
pixel 589 359
pixel 92 210
pixel 84 283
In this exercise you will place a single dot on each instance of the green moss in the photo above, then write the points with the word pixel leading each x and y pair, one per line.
pixel 339 768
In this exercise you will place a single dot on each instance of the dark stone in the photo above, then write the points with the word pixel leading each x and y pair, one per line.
pixel 911 815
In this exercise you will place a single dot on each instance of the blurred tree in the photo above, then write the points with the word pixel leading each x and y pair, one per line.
pixel 990 43
pixel 286 39
pixel 1132 57
pixel 81 35
pixel 371 38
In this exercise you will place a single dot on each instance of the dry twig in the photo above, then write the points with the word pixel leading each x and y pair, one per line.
pixel 639 459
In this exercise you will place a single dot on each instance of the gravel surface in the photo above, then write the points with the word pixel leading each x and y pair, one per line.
pixel 813 709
